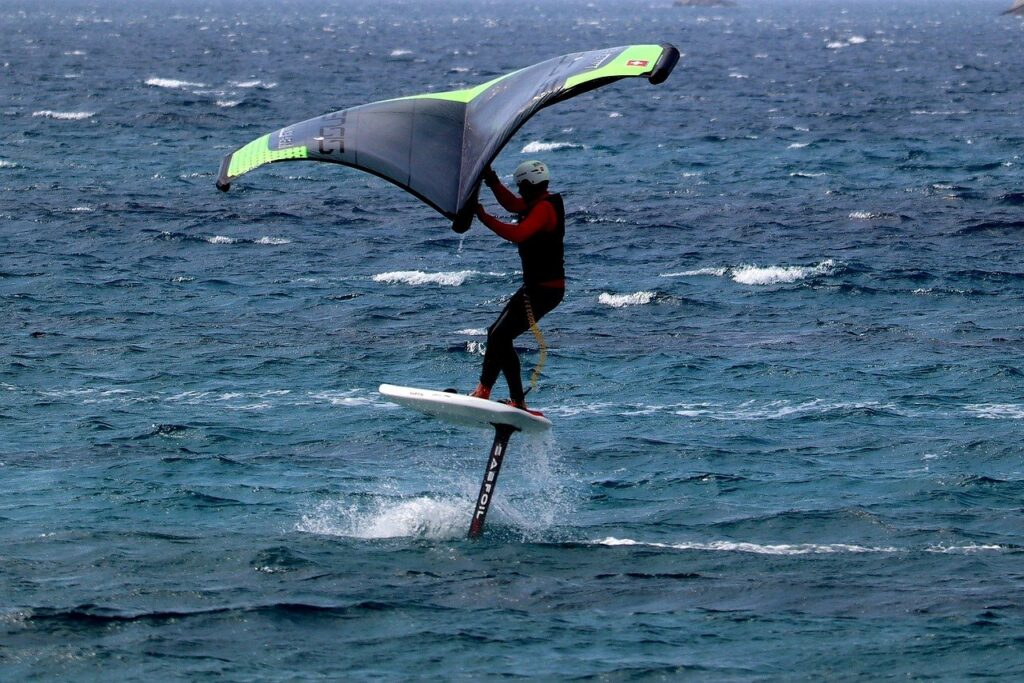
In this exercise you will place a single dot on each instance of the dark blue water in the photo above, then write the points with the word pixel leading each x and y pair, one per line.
pixel 786 381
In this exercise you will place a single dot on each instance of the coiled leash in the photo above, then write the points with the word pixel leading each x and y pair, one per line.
pixel 539 336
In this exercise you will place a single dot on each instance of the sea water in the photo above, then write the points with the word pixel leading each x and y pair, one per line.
pixel 786 381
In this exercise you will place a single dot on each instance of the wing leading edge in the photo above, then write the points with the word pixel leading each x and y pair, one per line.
pixel 437 145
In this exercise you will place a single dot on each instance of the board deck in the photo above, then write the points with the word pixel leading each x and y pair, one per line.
pixel 464 410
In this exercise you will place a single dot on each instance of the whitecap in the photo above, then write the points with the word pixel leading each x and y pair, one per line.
pixel 965 549
pixel 65 115
pixel 349 398
pixel 621 300
pixel 997 411
pixel 798 145
pixel 418 277
pixel 272 240
pixel 538 146
pixel 173 83
pixel 951 112
pixel 253 84
pixel 7 164
pixel 780 410
pixel 228 104
pixel 472 332
pixel 755 548
pixel 773 275
pixel 716 272
pixel 82 209
pixel 220 239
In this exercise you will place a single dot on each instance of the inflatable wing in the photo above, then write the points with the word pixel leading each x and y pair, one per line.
pixel 437 145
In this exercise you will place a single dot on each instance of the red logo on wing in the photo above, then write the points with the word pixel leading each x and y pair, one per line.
pixel 637 62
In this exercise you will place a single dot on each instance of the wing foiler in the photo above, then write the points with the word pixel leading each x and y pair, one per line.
pixel 437 145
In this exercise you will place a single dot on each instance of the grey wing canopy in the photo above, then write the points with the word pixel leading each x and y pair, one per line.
pixel 437 145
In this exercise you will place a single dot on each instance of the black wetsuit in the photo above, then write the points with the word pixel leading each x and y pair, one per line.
pixel 543 288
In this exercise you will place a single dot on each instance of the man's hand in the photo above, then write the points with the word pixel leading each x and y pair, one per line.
pixel 490 177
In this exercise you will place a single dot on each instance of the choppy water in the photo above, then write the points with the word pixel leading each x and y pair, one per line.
pixel 786 381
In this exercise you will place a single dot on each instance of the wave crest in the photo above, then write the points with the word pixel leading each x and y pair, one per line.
pixel 622 300
pixel 418 277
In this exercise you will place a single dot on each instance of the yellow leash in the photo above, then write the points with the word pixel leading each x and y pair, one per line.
pixel 535 375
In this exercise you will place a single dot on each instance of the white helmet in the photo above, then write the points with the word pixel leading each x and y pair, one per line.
pixel 532 172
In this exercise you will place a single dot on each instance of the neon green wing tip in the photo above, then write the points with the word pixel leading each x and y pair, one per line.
pixel 253 155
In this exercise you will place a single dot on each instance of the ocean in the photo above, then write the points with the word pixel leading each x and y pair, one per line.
pixel 786 380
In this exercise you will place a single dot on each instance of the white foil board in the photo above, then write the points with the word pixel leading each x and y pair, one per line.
pixel 464 410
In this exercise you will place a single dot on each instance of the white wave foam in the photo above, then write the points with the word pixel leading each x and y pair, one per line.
pixel 997 411
pixel 951 112
pixel 473 332
pixel 273 240
pixel 228 104
pixel 756 275
pixel 7 164
pixel 349 398
pixel 82 209
pixel 621 300
pixel 773 275
pixel 614 115
pixel 806 174
pixel 798 145
pixel 716 272
pixel 418 277
pixel 538 146
pixel 65 115
pixel 798 548
pixel 777 410
pixel 400 53
pixel 756 548
pixel 253 84
pixel 747 410
pixel 173 83
pixel 415 518
pixel 963 549
pixel 220 239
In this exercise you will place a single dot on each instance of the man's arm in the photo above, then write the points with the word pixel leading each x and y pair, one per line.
pixel 541 217
pixel 509 200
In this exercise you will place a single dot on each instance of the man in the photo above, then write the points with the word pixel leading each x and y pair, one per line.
pixel 539 234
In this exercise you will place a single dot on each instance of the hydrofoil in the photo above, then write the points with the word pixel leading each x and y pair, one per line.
pixel 470 411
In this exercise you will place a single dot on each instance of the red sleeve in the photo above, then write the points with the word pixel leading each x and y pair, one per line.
pixel 509 200
pixel 541 218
